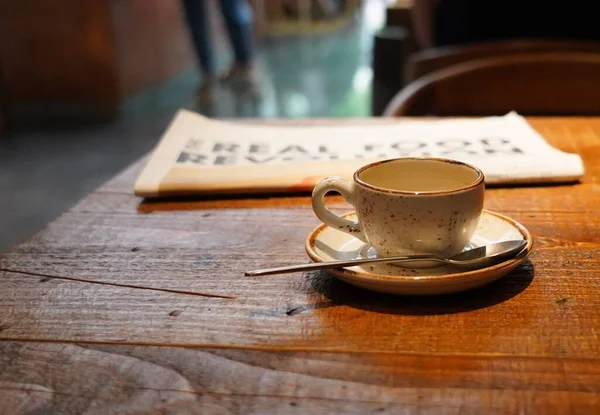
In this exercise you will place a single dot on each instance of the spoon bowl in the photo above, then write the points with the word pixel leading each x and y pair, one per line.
pixel 487 255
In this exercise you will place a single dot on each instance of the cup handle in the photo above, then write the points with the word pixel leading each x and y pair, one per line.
pixel 346 189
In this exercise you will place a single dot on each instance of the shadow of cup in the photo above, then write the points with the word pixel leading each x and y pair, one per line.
pixel 507 287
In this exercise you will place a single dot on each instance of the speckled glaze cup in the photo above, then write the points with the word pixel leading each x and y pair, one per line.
pixel 408 206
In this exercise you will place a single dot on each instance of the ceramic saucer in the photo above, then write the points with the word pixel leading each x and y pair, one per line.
pixel 328 244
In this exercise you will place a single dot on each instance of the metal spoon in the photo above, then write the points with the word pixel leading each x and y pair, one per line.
pixel 472 259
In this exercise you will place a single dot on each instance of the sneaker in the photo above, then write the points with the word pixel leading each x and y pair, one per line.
pixel 242 77
pixel 206 90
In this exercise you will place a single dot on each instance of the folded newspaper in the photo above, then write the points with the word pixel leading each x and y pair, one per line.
pixel 198 155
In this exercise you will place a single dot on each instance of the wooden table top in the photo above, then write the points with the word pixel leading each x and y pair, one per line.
pixel 122 304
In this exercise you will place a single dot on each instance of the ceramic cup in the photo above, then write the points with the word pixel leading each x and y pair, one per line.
pixel 408 206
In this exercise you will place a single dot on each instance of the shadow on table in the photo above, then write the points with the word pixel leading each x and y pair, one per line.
pixel 271 201
pixel 567 183
pixel 341 293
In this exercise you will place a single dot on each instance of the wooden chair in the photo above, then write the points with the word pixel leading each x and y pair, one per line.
pixel 548 83
pixel 428 60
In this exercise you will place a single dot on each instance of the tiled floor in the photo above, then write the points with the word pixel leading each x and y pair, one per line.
pixel 45 171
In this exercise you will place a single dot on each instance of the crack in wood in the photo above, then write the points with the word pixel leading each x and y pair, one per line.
pixel 114 284
pixel 295 310
pixel 217 348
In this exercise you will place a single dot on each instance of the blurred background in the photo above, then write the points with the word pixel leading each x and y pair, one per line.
pixel 88 86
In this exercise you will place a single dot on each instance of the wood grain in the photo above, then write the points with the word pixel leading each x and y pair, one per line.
pixel 71 378
pixel 429 60
pixel 524 314
pixel 110 309
pixel 122 246
pixel 530 83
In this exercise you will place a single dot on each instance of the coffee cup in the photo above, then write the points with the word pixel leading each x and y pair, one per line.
pixel 408 206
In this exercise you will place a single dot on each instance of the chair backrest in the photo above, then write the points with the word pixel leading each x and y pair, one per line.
pixel 552 83
pixel 428 60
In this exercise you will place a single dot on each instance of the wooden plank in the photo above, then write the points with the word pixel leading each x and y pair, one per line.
pixel 114 222
pixel 106 238
pixel 541 309
pixel 71 378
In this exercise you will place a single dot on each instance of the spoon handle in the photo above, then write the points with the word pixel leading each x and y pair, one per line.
pixel 339 264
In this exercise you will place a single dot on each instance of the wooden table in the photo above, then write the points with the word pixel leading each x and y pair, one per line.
pixel 124 305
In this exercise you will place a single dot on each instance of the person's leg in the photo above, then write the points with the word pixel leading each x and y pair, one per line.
pixel 238 18
pixel 196 14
